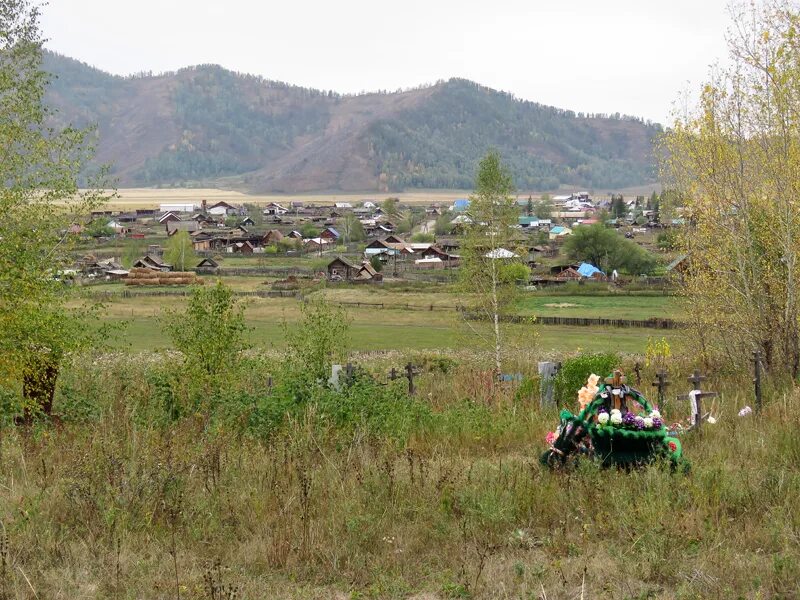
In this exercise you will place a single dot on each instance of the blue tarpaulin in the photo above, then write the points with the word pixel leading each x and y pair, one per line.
pixel 587 270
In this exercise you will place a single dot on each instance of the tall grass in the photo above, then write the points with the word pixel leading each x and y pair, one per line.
pixel 450 500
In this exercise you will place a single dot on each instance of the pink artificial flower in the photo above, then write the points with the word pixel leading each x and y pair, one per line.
pixel 551 437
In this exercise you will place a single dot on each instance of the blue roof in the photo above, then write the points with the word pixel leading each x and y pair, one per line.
pixel 558 229
pixel 461 204
pixel 333 231
pixel 587 270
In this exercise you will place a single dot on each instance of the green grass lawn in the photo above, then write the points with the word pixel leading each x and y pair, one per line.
pixel 612 307
pixel 376 329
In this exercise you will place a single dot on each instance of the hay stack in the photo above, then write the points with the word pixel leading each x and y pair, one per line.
pixel 141 276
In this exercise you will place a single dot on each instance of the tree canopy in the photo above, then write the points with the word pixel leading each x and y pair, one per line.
pixel 39 196
pixel 607 250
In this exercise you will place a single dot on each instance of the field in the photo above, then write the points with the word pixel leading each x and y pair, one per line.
pixel 132 198
pixel 397 328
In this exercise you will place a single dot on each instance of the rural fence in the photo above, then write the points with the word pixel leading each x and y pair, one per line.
pixel 653 323
pixel 184 293
pixel 260 271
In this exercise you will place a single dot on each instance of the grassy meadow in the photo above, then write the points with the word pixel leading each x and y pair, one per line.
pixel 391 328
pixel 382 496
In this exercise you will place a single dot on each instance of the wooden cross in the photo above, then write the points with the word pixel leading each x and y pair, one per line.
pixel 617 381
pixel 394 374
pixel 349 371
pixel 757 378
pixel 411 372
pixel 696 379
pixel 661 383
pixel 637 368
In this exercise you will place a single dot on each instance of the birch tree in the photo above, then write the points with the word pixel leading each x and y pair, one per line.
pixel 39 168
pixel 734 158
pixel 491 262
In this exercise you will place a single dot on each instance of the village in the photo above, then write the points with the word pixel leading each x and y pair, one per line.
pixel 364 242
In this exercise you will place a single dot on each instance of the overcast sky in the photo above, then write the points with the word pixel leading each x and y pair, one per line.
pixel 628 56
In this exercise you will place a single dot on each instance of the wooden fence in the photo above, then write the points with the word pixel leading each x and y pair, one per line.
pixel 184 293
pixel 654 323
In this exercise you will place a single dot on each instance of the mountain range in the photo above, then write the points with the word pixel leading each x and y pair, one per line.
pixel 206 125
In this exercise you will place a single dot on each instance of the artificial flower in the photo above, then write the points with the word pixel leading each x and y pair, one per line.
pixel 648 422
pixel 616 418
pixel 655 414
pixel 551 437
pixel 602 418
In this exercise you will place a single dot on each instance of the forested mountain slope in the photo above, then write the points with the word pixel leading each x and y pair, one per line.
pixel 207 124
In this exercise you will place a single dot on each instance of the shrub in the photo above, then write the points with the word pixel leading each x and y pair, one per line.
pixel 575 371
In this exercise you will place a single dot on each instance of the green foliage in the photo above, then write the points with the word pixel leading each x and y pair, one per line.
pixel 608 250
pixel 514 272
pixel 490 280
pixel 376 263
pixel 667 240
pixel 210 332
pixel 309 230
pixel 391 206
pixel 180 252
pixel 422 238
pixel 39 197
pixel 286 244
pixel 134 250
pixel 230 125
pixel 543 209
pixel 316 342
pixel 575 371
pixel 443 224
pixel 351 229
pixel 99 228
pixel 544 146
pixel 618 208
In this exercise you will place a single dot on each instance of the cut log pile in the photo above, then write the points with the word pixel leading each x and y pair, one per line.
pixel 142 276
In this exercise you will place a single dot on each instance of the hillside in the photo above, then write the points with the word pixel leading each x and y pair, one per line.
pixel 207 124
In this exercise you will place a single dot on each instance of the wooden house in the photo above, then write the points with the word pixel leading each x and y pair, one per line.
pixel 241 248
pixel 273 236
pixel 341 269
pixel 207 266
pixel 190 227
pixel 152 262
pixel 168 216
pixel 329 233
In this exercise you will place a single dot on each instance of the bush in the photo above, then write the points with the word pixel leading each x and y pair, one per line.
pixel 575 371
